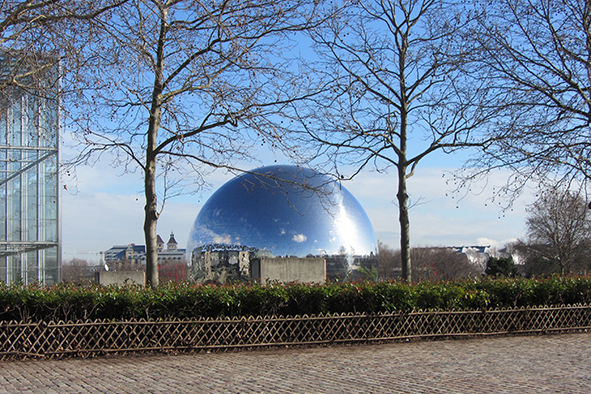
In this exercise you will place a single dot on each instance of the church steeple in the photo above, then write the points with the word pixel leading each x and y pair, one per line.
pixel 172 244
pixel 160 243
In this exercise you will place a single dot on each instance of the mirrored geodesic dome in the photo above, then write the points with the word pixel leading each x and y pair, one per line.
pixel 280 211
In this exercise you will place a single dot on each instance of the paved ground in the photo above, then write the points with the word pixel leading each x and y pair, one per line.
pixel 538 364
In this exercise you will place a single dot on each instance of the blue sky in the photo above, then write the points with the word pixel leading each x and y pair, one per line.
pixel 102 207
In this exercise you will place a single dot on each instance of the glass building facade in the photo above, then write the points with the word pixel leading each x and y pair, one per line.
pixel 30 234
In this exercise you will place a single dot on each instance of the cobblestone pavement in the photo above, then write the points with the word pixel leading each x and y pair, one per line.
pixel 534 364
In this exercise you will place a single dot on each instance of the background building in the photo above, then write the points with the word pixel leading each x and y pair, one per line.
pixel 133 256
pixel 172 252
pixel 30 233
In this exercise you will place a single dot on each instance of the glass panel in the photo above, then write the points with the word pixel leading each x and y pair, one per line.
pixel 3 270
pixel 3 217
pixel 51 269
pixel 15 133
pixel 29 200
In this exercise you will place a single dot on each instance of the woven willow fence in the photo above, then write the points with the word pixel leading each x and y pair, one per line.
pixel 87 338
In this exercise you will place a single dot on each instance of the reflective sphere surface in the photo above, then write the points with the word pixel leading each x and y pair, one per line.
pixel 285 211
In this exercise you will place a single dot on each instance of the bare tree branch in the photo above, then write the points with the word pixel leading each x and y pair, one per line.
pixel 396 94
pixel 188 86
pixel 535 57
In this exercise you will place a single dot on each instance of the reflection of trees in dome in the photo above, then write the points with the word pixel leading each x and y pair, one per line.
pixel 347 267
pixel 263 253
pixel 220 263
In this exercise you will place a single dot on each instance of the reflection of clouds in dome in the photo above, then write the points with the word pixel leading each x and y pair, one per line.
pixel 299 238
pixel 223 239
pixel 282 232
pixel 216 238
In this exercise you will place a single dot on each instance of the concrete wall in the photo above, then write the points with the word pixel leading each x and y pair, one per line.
pixel 121 277
pixel 309 270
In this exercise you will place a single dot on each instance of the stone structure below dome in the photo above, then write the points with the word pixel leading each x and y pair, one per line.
pixel 289 269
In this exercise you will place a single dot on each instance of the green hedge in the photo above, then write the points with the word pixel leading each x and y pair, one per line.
pixel 69 302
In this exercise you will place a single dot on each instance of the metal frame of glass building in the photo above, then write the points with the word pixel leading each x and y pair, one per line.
pixel 30 232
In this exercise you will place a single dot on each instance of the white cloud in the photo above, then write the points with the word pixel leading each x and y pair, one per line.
pixel 95 222
pixel 104 206
pixel 494 243
pixel 438 219
pixel 299 238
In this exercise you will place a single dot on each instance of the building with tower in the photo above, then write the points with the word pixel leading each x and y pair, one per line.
pixel 133 256
pixel 172 252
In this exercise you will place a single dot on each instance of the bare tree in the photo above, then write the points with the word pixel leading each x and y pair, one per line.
pixel 172 271
pixel 395 93
pixel 76 271
pixel 429 263
pixel 432 263
pixel 38 35
pixel 535 56
pixel 558 234
pixel 183 87
pixel 388 262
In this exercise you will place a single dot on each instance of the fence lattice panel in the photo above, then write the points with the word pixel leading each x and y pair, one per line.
pixel 86 338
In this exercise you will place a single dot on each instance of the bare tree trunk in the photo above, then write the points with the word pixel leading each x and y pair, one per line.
pixel 151 220
pixel 151 214
pixel 393 80
pixel 402 197
pixel 402 166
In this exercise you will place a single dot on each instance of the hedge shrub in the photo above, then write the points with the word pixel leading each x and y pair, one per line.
pixel 70 302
